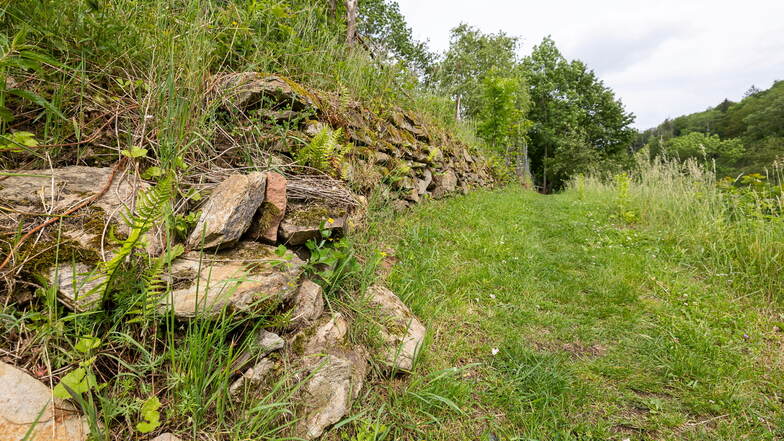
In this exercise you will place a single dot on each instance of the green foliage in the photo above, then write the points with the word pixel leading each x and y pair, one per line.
pixel 472 56
pixel 623 209
pixel 151 205
pixel 706 148
pixel 578 122
pixel 151 418
pixel 331 260
pixel 382 22
pixel 754 123
pixel 324 152
pixel 17 141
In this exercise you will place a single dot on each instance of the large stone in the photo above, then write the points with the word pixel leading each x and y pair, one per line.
pixel 57 190
pixel 445 183
pixel 229 211
pixel 247 276
pixel 401 331
pixel 336 375
pixel 25 401
pixel 243 90
pixel 270 214
pixel 78 285
pixel 305 222
pixel 424 183
pixel 308 304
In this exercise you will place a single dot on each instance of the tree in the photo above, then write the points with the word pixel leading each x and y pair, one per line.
pixel 706 148
pixel 473 55
pixel 501 120
pixel 390 37
pixel 578 122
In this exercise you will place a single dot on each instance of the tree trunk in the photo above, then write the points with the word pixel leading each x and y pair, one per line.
pixel 351 22
pixel 458 110
pixel 333 8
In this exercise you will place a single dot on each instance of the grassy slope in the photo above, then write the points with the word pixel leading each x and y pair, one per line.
pixel 603 332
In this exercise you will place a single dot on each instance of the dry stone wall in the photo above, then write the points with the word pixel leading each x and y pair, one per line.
pixel 245 252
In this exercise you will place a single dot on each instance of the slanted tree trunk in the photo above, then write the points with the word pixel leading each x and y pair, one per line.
pixel 351 22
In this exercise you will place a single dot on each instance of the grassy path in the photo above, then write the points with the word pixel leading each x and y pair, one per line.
pixel 564 326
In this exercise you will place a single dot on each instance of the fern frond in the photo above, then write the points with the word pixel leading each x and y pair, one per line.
pixel 150 206
pixel 154 285
pixel 324 152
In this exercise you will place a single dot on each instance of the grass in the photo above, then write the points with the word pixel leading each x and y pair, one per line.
pixel 562 322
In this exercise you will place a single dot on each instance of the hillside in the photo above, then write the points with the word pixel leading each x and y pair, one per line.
pixel 291 220
pixel 755 122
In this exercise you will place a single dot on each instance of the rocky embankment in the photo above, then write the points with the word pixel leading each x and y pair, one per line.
pixel 244 251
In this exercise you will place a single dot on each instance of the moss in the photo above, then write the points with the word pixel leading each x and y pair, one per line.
pixel 314 214
pixel 39 256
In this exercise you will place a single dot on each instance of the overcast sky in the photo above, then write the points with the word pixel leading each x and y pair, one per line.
pixel 663 58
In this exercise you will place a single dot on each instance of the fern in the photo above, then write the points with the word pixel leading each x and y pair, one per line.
pixel 324 152
pixel 154 285
pixel 150 207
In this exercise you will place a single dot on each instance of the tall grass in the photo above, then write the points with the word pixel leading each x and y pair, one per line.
pixel 732 230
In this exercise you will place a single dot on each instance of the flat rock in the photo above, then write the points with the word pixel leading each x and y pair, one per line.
pixel 77 286
pixel 305 222
pixel 243 90
pixel 308 304
pixel 270 213
pixel 247 276
pixel 229 211
pixel 57 190
pixel 337 374
pixel 23 398
pixel 401 331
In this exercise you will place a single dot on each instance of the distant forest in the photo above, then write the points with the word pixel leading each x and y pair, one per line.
pixel 743 137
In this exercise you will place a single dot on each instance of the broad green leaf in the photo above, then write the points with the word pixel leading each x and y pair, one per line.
pixel 76 380
pixel 134 152
pixel 149 412
pixel 87 343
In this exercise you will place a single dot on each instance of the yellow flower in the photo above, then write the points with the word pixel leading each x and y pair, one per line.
pixel 330 221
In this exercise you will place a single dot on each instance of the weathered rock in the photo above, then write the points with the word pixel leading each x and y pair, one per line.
pixel 23 398
pixel 304 222
pixel 445 183
pixel 423 184
pixel 270 213
pixel 265 343
pixel 269 341
pixel 250 89
pixel 229 211
pixel 166 437
pixel 251 274
pixel 78 285
pixel 308 304
pixel 57 190
pixel 402 332
pixel 252 378
pixel 337 373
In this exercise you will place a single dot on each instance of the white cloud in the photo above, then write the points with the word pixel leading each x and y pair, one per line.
pixel 663 58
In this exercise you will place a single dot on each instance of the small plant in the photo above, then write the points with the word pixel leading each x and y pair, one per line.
pixel 623 211
pixel 151 418
pixel 324 152
pixel 81 379
pixel 17 141
pixel 330 259
pixel 368 431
